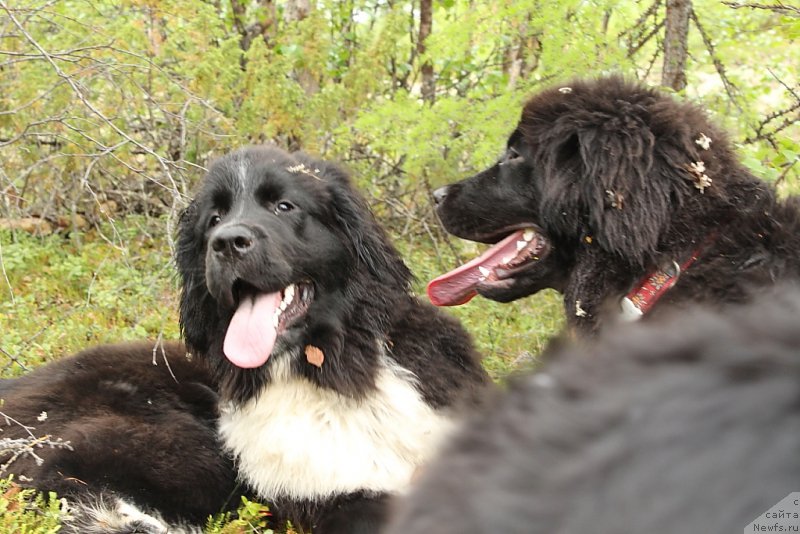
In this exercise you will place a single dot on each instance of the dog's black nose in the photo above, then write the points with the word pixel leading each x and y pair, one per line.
pixel 235 240
pixel 440 194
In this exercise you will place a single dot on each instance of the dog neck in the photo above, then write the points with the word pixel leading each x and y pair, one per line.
pixel 653 285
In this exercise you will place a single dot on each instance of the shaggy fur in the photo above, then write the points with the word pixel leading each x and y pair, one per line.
pixel 685 425
pixel 615 181
pixel 140 423
pixel 325 442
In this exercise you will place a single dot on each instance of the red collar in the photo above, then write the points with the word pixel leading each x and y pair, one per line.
pixel 654 284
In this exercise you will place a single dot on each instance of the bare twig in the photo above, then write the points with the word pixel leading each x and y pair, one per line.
pixel 646 38
pixel 790 115
pixel 173 187
pixel 636 32
pixel 787 167
pixel 5 276
pixel 158 347
pixel 730 88
pixel 15 448
pixel 14 358
pixel 779 7
pixel 791 90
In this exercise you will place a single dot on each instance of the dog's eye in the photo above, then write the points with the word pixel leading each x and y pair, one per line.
pixel 283 206
pixel 511 155
pixel 214 220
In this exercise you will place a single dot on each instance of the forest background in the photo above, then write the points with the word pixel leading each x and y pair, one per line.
pixel 111 110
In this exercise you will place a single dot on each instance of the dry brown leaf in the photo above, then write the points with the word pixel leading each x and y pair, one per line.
pixel 314 355
pixel 12 491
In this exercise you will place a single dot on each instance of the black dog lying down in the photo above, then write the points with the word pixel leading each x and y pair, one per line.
pixel 685 425
pixel 624 199
pixel 337 383
pixel 139 421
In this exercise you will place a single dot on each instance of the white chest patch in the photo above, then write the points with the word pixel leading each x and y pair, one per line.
pixel 299 441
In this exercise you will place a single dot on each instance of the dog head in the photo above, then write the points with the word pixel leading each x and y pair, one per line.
pixel 595 168
pixel 275 252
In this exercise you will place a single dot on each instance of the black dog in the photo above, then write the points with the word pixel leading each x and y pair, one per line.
pixel 685 425
pixel 339 384
pixel 607 192
pixel 126 433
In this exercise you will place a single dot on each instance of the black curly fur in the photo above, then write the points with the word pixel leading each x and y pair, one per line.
pixel 687 424
pixel 605 174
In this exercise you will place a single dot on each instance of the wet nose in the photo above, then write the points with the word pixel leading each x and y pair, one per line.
pixel 234 241
pixel 440 194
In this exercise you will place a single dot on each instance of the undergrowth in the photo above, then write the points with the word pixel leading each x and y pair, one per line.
pixel 23 511
pixel 62 293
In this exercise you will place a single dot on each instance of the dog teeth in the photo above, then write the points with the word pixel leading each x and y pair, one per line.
pixel 288 294
pixel 521 245
pixel 508 259
pixel 528 235
pixel 484 271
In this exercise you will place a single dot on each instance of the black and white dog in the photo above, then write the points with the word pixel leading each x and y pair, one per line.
pixel 337 384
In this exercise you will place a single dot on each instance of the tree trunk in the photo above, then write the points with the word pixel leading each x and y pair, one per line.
pixel 261 27
pixel 425 27
pixel 296 11
pixel 523 54
pixel 676 47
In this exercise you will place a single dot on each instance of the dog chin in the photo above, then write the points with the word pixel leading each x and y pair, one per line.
pixel 547 273
pixel 510 289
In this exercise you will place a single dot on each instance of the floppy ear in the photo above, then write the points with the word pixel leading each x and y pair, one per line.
pixel 368 240
pixel 603 182
pixel 627 201
pixel 197 310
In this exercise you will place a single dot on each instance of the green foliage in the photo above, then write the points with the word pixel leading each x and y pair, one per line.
pixel 59 295
pixel 24 511
pixel 110 110
pixel 121 101
pixel 251 517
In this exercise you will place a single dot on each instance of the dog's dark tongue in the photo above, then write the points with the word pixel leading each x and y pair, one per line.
pixel 458 286
pixel 252 332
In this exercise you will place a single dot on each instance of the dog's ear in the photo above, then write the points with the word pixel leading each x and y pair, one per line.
pixel 197 310
pixel 608 182
pixel 368 240
pixel 628 203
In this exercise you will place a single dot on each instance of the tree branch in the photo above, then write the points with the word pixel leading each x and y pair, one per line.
pixel 780 7
pixel 730 89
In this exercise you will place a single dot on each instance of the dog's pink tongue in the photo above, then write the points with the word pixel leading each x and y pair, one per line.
pixel 458 286
pixel 251 333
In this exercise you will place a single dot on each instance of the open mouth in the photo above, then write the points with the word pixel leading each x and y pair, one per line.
pixel 260 318
pixel 516 253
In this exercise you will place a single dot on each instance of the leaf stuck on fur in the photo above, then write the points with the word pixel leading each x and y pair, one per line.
pixel 697 170
pixel 314 355
pixel 615 199
pixel 704 141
